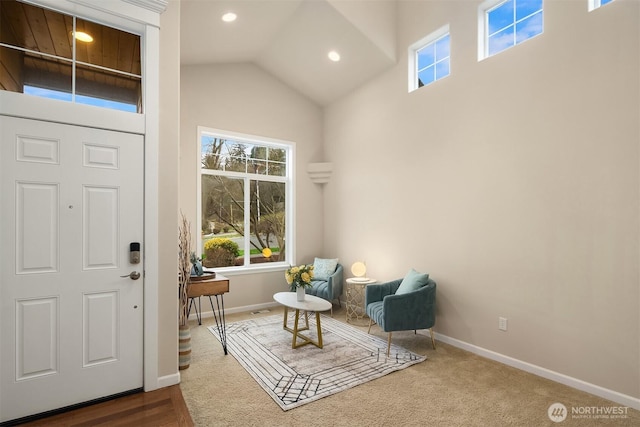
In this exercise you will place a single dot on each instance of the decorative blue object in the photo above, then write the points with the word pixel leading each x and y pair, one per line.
pixel 412 282
pixel 196 269
pixel 324 268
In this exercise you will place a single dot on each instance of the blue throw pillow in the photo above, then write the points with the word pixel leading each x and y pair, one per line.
pixel 323 268
pixel 412 281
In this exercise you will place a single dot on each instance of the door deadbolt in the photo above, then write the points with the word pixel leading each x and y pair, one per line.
pixel 134 253
pixel 134 275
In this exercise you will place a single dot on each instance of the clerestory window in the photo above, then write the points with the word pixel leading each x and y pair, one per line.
pixel 245 200
pixel 429 59
pixel 594 4
pixel 504 24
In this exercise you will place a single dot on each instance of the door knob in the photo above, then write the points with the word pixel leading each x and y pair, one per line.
pixel 134 275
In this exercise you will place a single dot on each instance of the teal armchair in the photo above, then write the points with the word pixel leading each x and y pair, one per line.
pixel 412 310
pixel 329 289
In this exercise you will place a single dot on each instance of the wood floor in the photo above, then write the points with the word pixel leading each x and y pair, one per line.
pixel 163 407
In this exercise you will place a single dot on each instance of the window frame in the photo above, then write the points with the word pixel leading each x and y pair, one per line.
pixel 421 44
pixel 287 179
pixel 483 27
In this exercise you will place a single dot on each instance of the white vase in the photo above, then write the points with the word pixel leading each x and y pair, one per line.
pixel 300 293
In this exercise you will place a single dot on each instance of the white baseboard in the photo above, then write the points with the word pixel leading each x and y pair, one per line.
pixel 578 384
pixel 245 308
pixel 169 380
pixel 581 385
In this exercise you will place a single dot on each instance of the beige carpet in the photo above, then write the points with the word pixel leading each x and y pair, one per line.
pixel 452 388
pixel 298 376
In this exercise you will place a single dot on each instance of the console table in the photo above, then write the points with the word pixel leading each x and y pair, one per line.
pixel 210 287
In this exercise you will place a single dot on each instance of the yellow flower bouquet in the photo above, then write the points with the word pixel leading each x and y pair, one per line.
pixel 299 276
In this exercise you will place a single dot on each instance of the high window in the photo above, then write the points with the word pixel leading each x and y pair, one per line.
pixel 55 55
pixel 429 59
pixel 503 24
pixel 594 4
pixel 244 200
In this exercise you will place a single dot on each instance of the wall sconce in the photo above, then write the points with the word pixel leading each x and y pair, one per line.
pixel 320 172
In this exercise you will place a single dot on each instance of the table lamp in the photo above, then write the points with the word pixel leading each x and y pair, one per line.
pixel 359 269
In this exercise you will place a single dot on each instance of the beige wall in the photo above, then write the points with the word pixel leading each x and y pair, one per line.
pixel 514 182
pixel 243 98
pixel 168 189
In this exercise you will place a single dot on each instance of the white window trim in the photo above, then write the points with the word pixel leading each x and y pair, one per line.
pixel 290 202
pixel 415 47
pixel 483 30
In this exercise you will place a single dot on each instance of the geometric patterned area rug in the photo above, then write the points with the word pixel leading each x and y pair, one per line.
pixel 294 377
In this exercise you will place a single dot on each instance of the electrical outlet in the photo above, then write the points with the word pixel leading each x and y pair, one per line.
pixel 502 323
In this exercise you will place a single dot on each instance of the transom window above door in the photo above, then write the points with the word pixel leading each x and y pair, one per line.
pixel 60 56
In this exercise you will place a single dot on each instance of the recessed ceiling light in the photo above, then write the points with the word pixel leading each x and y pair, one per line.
pixel 334 56
pixel 229 17
pixel 82 36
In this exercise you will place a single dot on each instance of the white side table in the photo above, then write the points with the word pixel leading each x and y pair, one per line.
pixel 355 300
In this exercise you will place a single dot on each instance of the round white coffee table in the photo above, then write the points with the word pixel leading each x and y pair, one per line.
pixel 310 303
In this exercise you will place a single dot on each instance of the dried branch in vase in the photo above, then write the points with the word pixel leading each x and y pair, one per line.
pixel 184 267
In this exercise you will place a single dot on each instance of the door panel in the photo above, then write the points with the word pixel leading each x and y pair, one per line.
pixel 70 325
pixel 101 335
pixel 101 224
pixel 39 150
pixel 36 350
pixel 37 243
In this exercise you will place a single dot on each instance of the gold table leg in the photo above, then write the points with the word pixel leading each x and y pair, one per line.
pixel 319 344
pixel 296 330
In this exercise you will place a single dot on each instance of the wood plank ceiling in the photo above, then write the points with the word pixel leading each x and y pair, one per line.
pixel 34 29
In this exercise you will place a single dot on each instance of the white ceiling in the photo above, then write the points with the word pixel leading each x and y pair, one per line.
pixel 291 39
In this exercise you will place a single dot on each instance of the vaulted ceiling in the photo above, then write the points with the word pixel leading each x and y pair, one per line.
pixel 291 39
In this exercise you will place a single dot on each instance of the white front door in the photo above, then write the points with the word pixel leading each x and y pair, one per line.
pixel 70 326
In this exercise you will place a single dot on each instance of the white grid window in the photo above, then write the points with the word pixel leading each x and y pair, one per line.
pixel 507 23
pixel 429 59
pixel 245 200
